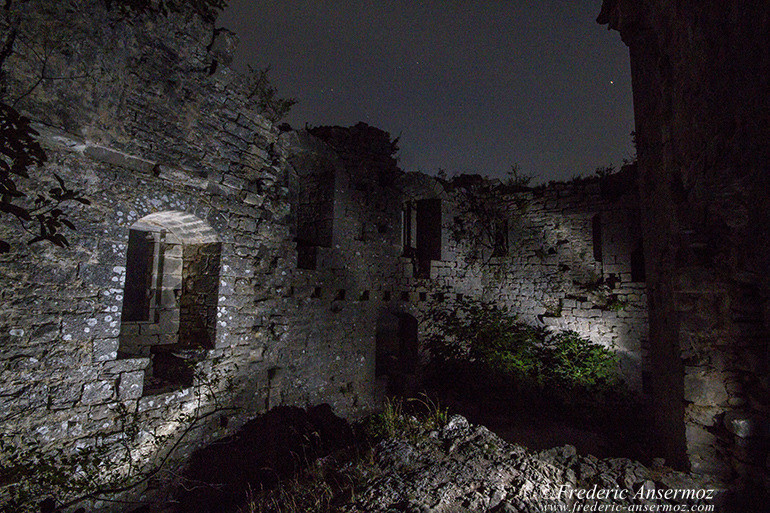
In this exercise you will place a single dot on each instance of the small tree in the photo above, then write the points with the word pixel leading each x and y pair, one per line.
pixel 263 93
pixel 39 211
pixel 485 207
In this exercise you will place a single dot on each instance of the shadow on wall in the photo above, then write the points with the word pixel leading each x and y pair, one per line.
pixel 397 356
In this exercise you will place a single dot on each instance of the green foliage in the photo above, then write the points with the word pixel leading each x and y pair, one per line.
pixel 388 423
pixel 264 94
pixel 615 304
pixel 476 331
pixel 600 293
pixel 488 339
pixel 36 206
pixel 573 361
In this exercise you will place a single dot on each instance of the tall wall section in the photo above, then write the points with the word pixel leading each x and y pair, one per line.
pixel 568 255
pixel 177 306
pixel 701 87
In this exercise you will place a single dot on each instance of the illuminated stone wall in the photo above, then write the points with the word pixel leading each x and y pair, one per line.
pixel 280 259
pixel 159 135
pixel 548 271
pixel 571 261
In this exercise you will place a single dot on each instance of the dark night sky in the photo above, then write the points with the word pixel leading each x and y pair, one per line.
pixel 469 85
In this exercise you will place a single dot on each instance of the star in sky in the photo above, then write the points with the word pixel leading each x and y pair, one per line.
pixel 468 86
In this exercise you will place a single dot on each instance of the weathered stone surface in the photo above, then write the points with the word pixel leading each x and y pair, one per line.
pixel 130 385
pixel 704 198
pixel 463 467
pixel 294 256
pixel 746 425
pixel 98 392
pixel 105 349
pixel 704 388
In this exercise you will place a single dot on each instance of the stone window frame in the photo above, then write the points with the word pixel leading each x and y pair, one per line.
pixel 179 347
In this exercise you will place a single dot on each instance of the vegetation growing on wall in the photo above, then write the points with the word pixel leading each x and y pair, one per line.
pixel 263 94
pixel 39 209
pixel 599 292
pixel 481 224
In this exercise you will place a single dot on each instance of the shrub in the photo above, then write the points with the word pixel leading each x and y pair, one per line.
pixel 485 339
pixel 573 361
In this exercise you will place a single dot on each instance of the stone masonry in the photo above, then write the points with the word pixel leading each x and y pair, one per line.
pixel 701 88
pixel 227 265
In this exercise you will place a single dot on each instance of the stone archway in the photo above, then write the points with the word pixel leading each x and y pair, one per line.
pixel 170 296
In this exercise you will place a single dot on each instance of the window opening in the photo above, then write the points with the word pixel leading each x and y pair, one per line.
pixel 170 297
pixel 500 243
pixel 638 273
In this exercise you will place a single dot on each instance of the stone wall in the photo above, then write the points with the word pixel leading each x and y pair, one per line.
pixel 166 146
pixel 546 269
pixel 226 266
pixel 701 90
pixel 549 274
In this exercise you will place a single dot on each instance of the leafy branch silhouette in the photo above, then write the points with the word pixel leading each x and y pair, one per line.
pixel 40 212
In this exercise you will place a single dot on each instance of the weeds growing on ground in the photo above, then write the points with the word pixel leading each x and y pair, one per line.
pixel 405 418
pixel 325 484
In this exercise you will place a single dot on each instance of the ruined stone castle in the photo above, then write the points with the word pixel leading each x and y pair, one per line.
pixel 227 265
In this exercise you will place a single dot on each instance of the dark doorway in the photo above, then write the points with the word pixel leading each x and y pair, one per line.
pixel 397 352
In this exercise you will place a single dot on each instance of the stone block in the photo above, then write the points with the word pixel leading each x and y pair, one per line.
pixel 746 425
pixel 126 365
pixel 105 349
pixel 704 388
pixel 117 158
pixel 149 330
pixel 43 334
pixel 702 415
pixel 130 385
pixel 698 436
pixel 64 395
pixel 98 392
pixel 129 328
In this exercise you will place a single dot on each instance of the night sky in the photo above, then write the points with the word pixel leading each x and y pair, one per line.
pixel 469 85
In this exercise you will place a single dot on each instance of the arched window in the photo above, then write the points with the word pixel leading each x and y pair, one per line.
pixel 170 296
